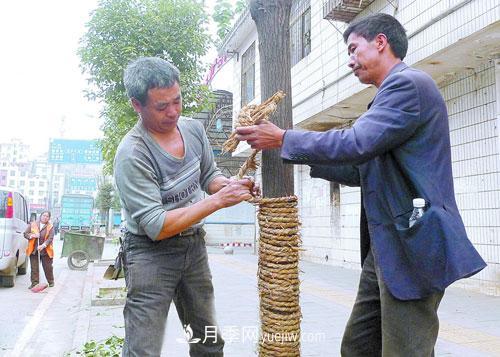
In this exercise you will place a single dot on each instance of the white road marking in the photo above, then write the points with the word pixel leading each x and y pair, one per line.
pixel 30 328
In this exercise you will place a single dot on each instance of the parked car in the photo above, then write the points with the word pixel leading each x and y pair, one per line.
pixel 14 219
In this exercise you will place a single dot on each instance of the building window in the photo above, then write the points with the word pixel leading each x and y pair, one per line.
pixel 12 173
pixel 248 75
pixel 32 192
pixel 300 30
pixel 41 184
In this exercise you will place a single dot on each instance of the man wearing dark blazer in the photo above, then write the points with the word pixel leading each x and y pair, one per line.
pixel 398 150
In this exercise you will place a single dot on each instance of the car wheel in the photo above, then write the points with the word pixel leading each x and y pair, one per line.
pixel 22 269
pixel 8 281
pixel 78 260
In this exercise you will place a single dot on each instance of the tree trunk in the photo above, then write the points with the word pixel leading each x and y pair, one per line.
pixel 272 18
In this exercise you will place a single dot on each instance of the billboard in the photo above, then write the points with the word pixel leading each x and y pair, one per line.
pixel 64 151
pixel 80 183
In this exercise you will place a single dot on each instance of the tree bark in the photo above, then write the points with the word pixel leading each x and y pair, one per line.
pixel 272 18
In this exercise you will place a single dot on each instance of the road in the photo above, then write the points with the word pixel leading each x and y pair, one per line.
pixel 23 313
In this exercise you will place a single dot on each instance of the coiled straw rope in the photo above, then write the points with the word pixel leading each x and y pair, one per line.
pixel 278 275
pixel 279 247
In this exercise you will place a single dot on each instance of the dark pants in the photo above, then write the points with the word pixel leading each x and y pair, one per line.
pixel 381 325
pixel 158 273
pixel 47 268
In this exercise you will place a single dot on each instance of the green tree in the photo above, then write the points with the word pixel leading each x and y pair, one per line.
pixel 107 198
pixel 223 16
pixel 122 30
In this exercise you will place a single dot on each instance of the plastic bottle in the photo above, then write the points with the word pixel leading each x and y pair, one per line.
pixel 418 210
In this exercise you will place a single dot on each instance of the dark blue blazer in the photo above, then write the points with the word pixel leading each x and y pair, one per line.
pixel 396 151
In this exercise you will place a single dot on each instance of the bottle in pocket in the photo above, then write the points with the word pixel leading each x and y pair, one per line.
pixel 418 210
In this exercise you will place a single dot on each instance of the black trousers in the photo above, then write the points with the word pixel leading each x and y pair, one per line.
pixel 381 325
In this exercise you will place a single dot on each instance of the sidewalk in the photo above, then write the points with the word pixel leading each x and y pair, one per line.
pixel 470 322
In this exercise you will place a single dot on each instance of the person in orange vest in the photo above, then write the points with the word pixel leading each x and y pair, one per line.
pixel 40 235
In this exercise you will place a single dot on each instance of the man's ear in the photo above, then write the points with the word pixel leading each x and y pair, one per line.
pixel 136 105
pixel 381 42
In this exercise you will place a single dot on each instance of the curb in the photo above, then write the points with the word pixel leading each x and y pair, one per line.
pixel 83 322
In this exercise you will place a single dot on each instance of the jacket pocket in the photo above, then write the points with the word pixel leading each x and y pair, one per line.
pixel 424 245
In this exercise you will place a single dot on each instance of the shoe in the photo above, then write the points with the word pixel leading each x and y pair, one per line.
pixel 32 285
pixel 51 285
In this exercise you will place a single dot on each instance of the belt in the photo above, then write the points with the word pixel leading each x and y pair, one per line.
pixel 190 232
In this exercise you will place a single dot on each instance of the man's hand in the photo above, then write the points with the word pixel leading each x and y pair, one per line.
pixel 34 235
pixel 254 187
pixel 264 135
pixel 234 192
pixel 41 247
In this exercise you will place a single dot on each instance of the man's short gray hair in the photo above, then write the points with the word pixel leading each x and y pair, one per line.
pixel 146 73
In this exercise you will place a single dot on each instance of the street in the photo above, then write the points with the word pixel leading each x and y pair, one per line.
pixel 60 320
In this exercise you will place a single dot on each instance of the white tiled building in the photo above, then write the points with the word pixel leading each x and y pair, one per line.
pixel 458 43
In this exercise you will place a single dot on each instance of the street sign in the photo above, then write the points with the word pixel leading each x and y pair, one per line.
pixel 64 151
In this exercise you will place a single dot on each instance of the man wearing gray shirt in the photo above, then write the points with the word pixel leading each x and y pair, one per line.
pixel 161 167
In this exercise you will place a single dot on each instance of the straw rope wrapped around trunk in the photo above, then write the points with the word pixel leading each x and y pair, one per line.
pixel 278 277
pixel 279 241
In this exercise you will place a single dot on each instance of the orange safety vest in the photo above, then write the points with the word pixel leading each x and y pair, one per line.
pixel 31 243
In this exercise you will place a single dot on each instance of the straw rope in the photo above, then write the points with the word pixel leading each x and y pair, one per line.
pixel 249 115
pixel 278 277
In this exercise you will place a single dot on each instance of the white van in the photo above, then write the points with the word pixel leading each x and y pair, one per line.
pixel 13 222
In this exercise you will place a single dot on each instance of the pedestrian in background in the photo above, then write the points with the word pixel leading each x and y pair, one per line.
pixel 41 235
pixel 161 168
pixel 56 226
pixel 398 150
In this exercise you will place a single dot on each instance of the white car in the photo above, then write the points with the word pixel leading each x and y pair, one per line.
pixel 13 222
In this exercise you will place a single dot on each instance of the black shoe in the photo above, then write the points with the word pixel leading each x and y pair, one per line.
pixel 32 285
pixel 51 285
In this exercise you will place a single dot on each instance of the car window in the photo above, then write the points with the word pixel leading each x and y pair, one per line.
pixel 19 207
pixel 3 203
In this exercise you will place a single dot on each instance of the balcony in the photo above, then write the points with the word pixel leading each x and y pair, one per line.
pixel 344 10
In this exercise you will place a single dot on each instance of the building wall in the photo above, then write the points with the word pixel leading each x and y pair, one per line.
pixel 471 99
pixel 236 62
pixel 323 79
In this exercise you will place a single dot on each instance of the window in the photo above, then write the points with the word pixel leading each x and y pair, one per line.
pixel 12 183
pixel 248 75
pixel 20 207
pixel 300 30
pixel 41 193
pixel 12 173
pixel 41 184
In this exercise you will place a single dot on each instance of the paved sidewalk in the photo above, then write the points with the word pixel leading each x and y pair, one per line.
pixel 470 322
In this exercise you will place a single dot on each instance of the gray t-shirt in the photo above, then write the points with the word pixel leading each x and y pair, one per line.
pixel 150 181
